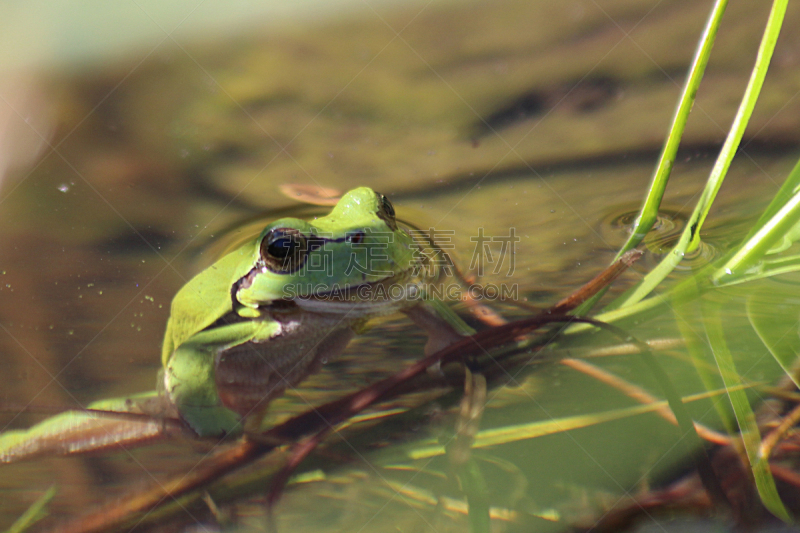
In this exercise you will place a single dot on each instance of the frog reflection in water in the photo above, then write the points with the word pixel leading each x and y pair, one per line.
pixel 266 315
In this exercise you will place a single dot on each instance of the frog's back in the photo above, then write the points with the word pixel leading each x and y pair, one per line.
pixel 205 298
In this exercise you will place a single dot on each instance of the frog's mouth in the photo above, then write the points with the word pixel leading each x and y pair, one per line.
pixel 378 297
pixel 384 296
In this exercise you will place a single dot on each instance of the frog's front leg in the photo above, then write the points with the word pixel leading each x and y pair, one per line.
pixel 442 326
pixel 189 376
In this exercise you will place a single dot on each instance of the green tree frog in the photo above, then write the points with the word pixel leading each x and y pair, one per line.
pixel 267 314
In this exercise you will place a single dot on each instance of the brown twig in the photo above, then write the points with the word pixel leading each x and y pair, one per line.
pixel 787 423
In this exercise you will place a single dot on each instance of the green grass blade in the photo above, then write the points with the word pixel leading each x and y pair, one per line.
pixel 784 265
pixel 690 237
pixel 763 240
pixel 745 417
pixel 531 430
pixel 647 215
pixel 751 93
pixel 778 222
pixel 658 184
pixel 789 188
pixel 696 347
pixel 34 513
pixel 780 338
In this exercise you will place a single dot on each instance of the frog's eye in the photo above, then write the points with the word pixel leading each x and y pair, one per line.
pixel 284 250
pixel 386 211
pixel 356 237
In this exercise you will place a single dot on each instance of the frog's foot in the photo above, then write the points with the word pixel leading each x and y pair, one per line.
pixel 211 421
pixel 440 331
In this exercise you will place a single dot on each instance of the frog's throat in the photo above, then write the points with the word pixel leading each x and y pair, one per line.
pixel 375 298
pixel 390 293
pixel 357 306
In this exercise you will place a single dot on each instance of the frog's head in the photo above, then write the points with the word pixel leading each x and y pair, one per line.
pixel 355 248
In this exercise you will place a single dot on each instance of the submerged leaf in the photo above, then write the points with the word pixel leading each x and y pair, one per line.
pixel 776 326
pixel 750 434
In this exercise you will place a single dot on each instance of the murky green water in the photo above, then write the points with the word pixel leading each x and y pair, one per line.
pixel 545 118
